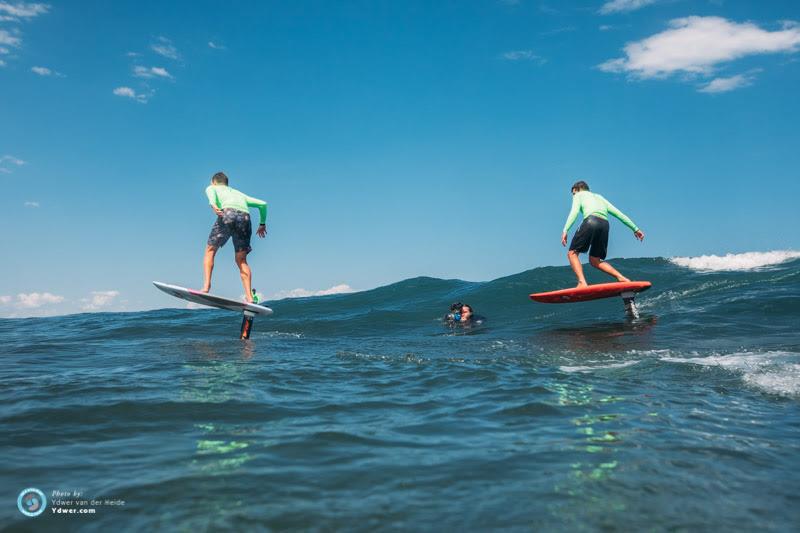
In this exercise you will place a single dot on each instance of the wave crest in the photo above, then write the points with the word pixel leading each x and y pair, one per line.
pixel 744 261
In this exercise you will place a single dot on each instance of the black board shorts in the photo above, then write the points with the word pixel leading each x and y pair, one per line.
pixel 592 236
pixel 232 223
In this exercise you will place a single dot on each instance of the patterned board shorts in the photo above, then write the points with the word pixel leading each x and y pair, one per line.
pixel 232 223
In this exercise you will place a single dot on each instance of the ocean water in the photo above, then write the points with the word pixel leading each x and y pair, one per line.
pixel 362 412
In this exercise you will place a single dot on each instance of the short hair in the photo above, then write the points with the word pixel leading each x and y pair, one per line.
pixel 220 177
pixel 580 186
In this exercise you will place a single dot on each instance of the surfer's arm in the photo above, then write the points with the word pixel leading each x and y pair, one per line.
pixel 213 201
pixel 621 216
pixel 573 213
pixel 212 196
pixel 262 208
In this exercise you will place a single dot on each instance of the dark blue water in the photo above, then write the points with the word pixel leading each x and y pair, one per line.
pixel 362 412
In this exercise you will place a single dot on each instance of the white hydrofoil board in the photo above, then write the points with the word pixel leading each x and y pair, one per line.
pixel 211 300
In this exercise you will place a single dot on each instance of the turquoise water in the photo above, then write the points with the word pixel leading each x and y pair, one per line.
pixel 363 412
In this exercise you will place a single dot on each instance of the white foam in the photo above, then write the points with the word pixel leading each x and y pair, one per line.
pixel 773 372
pixel 598 367
pixel 745 261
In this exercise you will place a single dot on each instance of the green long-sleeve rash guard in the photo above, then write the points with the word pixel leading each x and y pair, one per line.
pixel 589 204
pixel 224 197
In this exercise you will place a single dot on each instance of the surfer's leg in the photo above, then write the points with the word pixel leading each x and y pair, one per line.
pixel 602 265
pixel 580 244
pixel 242 231
pixel 575 263
pixel 208 267
pixel 244 271
pixel 218 237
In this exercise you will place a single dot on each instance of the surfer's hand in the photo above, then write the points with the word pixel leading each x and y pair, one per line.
pixel 262 230
pixel 639 235
pixel 563 239
pixel 218 211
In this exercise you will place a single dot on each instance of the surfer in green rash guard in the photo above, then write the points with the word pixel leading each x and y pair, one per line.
pixel 592 235
pixel 233 220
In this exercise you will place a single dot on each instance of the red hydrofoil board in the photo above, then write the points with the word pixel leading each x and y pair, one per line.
pixel 592 292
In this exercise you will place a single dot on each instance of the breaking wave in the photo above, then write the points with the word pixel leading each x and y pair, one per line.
pixel 733 262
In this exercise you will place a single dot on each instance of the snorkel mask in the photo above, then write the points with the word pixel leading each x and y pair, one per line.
pixel 455 311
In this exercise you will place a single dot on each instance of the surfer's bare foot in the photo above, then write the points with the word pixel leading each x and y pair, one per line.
pixel 622 279
pixel 205 289
pixel 581 285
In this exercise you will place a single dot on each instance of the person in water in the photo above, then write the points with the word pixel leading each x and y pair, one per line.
pixel 592 235
pixel 459 313
pixel 233 220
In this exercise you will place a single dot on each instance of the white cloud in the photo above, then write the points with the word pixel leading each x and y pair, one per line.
pixel 44 71
pixel 36 299
pixel 16 13
pixel 152 72
pixel 99 300
pixel 165 48
pixel 696 45
pixel 12 160
pixel 30 304
pixel 22 10
pixel 292 293
pixel 216 46
pixel 31 204
pixel 522 55
pixel 620 6
pixel 8 38
pixel 723 85
pixel 7 162
pixel 159 71
pixel 127 92
pixel 336 289
pixel 304 293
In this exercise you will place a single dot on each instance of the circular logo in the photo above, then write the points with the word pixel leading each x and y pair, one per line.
pixel 31 502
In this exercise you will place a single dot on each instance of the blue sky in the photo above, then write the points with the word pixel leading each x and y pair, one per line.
pixel 391 139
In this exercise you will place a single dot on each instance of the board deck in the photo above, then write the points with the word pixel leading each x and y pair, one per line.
pixel 592 292
pixel 211 300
